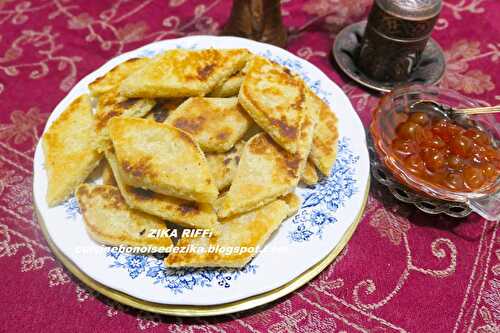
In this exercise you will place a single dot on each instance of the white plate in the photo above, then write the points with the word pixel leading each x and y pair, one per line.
pixel 328 210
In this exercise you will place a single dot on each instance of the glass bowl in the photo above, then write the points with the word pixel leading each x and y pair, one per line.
pixel 394 108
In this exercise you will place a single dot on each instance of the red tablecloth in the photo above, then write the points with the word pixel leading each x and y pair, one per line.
pixel 415 273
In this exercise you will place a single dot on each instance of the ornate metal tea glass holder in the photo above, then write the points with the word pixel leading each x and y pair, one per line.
pixel 393 46
pixel 430 69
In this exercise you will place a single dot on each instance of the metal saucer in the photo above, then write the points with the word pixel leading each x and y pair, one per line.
pixel 430 70
pixel 406 195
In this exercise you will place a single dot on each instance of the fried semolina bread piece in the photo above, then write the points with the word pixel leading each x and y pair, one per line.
pixel 324 148
pixel 111 105
pixel 250 230
pixel 310 175
pixel 112 79
pixel 109 102
pixel 70 150
pixel 110 221
pixel 294 202
pixel 163 107
pixel 265 172
pixel 223 165
pixel 274 98
pixel 307 127
pixel 215 123
pixel 230 87
pixel 186 213
pixel 161 158
pixel 184 73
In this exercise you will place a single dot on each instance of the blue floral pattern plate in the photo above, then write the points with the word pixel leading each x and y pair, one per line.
pixel 328 209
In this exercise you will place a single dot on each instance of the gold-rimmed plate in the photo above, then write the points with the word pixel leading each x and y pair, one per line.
pixel 299 250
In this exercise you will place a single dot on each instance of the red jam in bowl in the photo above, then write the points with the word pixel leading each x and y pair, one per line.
pixel 443 153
